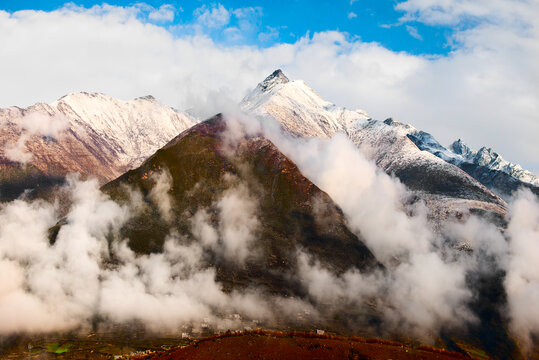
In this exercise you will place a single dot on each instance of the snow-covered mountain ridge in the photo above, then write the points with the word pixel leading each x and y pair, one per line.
pixel 489 158
pixel 391 144
pixel 485 165
pixel 136 128
pixel 299 109
pixel 90 133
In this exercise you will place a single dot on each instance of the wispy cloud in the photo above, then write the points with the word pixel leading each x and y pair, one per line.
pixel 214 17
pixel 165 13
pixel 413 32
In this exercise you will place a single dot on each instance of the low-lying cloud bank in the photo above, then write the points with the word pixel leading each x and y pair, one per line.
pixel 90 273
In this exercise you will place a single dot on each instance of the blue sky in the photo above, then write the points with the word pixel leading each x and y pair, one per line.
pixel 281 21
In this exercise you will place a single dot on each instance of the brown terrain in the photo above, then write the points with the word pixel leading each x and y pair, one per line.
pixel 271 345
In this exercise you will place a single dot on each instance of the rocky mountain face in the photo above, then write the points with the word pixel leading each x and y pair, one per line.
pixel 448 187
pixel 92 134
pixel 203 174
pixel 484 165
pixel 298 108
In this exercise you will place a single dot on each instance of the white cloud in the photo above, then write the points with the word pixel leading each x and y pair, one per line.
pixel 63 286
pixel 442 12
pixel 424 279
pixel 165 13
pixel 522 280
pixel 352 15
pixel 212 17
pixel 413 32
pixel 485 91
pixel 160 193
pixel 268 35
pixel 34 123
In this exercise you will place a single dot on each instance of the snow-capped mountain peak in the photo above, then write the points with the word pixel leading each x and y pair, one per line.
pixel 287 100
pixel 460 148
pixel 102 136
pixel 303 113
pixel 488 158
pixel 276 78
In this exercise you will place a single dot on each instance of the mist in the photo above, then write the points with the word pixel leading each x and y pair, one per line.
pixel 31 124
pixel 89 272
pixel 423 289
pixel 79 278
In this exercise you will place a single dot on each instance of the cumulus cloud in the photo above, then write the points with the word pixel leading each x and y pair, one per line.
pixel 213 17
pixel 165 13
pixel 491 62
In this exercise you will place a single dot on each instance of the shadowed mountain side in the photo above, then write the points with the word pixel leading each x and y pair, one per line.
pixel 292 212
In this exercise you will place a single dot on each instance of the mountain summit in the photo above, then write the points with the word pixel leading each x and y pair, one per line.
pixel 92 134
pixel 445 188
pixel 277 77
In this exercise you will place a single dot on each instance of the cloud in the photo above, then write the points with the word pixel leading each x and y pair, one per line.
pixel 413 32
pixel 352 15
pixel 425 286
pixel 34 123
pixel 269 35
pixel 159 193
pixel 522 280
pixel 213 17
pixel 372 201
pixel 237 224
pixel 440 12
pixel 165 13
pixel 424 289
pixel 89 271
pixel 17 151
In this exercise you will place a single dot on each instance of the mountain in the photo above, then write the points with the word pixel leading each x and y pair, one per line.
pixel 89 133
pixel 446 188
pixel 485 165
pixel 298 108
pixel 255 177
